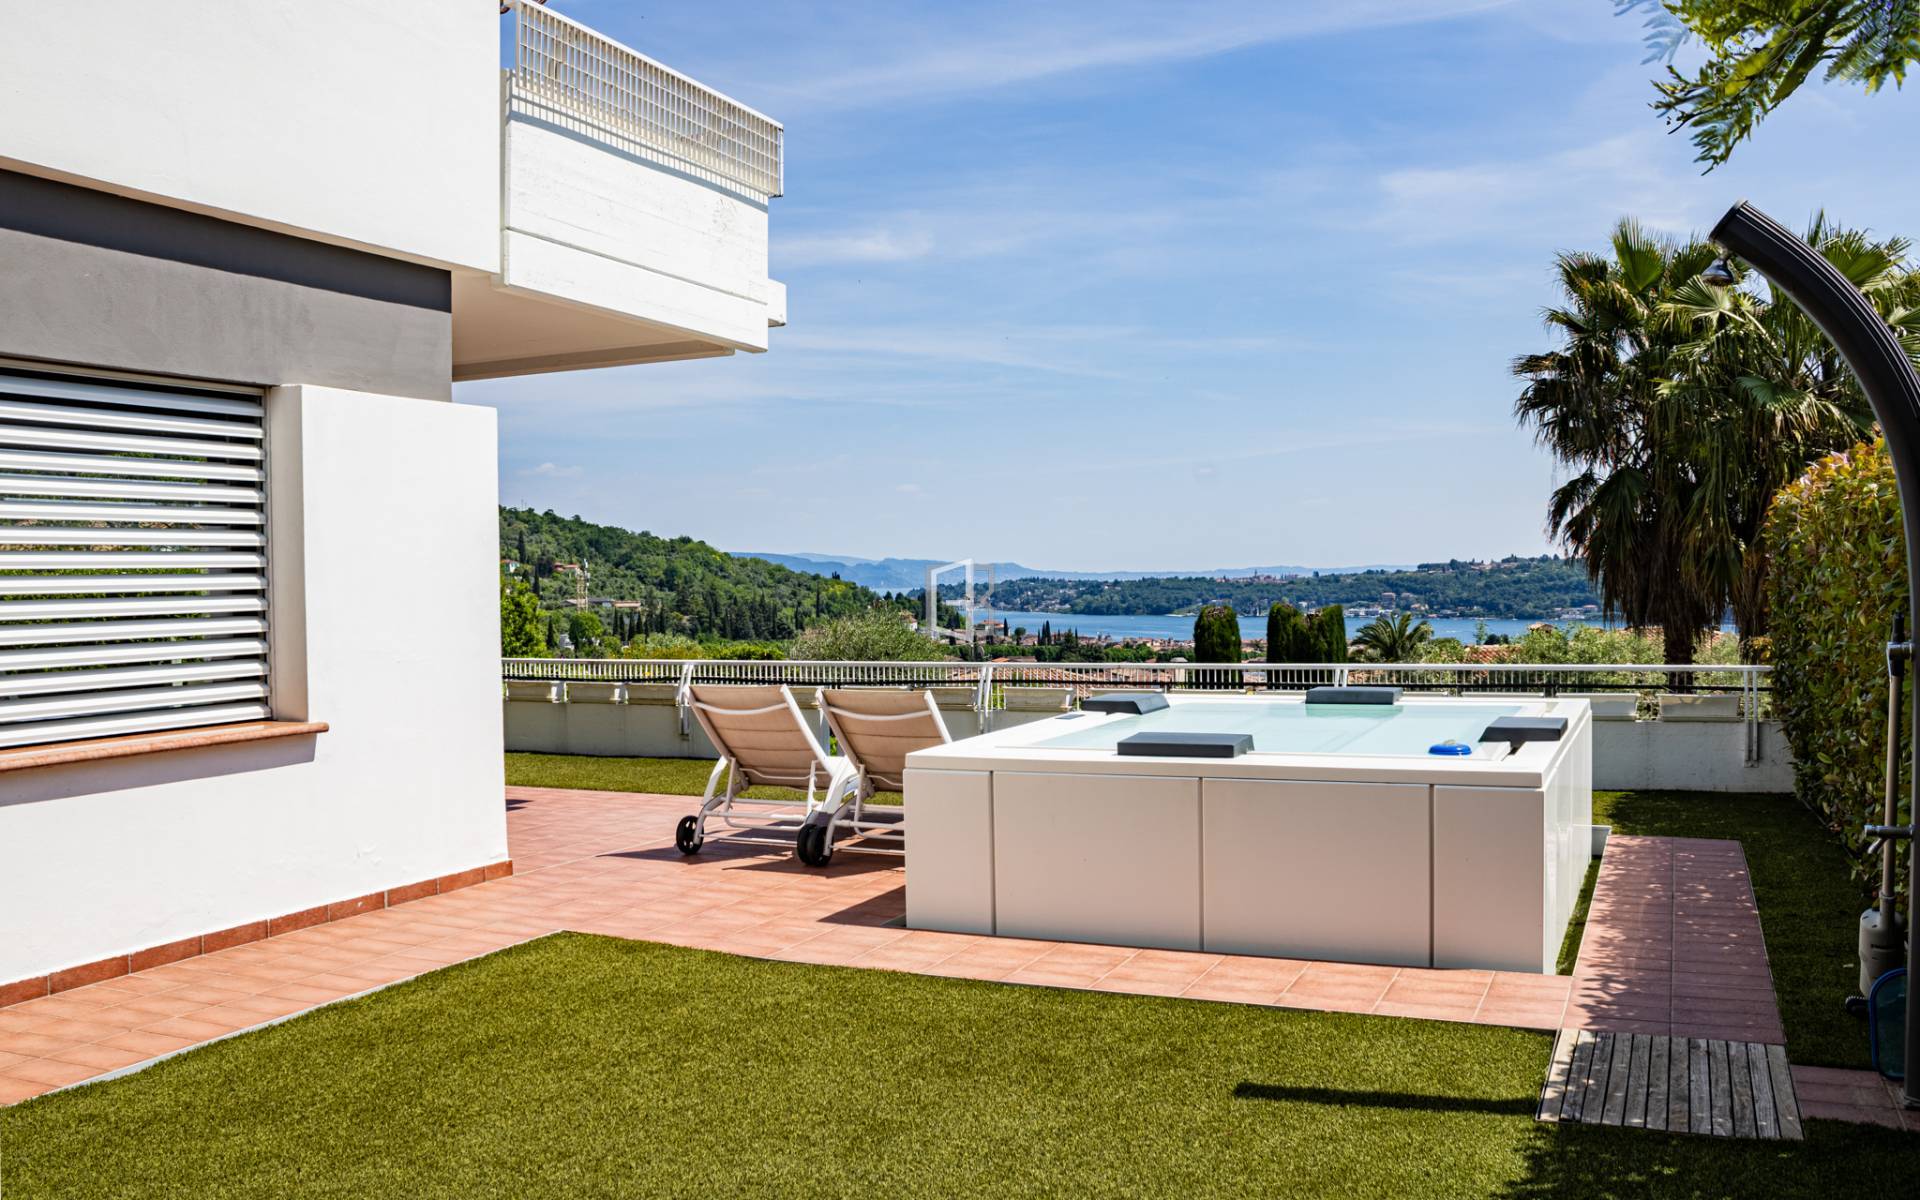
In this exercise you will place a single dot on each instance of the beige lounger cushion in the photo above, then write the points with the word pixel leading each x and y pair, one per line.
pixel 533 690
pixel 753 725
pixel 879 727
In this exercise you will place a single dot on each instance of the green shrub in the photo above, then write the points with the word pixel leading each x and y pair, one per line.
pixel 522 632
pixel 1838 577
pixel 875 635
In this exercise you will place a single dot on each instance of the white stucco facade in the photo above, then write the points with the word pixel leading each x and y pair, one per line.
pixel 307 202
pixel 362 121
pixel 371 495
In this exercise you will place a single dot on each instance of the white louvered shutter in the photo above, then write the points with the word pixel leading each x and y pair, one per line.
pixel 133 559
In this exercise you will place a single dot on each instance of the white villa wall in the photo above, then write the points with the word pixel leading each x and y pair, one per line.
pixel 1689 756
pixel 369 495
pixel 615 231
pixel 370 122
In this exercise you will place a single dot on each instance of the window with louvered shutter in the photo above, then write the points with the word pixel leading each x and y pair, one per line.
pixel 133 558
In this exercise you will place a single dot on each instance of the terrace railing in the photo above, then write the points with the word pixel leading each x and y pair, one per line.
pixel 565 73
pixel 989 681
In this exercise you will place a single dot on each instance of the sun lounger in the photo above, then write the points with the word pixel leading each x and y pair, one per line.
pixel 763 738
pixel 877 728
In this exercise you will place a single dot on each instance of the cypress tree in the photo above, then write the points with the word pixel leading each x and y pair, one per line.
pixel 1289 640
pixel 1216 638
pixel 1330 631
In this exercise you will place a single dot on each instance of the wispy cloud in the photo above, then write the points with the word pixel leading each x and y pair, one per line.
pixel 917 52
pixel 547 470
pixel 875 246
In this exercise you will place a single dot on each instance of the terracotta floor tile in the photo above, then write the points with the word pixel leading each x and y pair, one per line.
pixel 51 1072
pixel 100 1056
pixel 1521 1016
pixel 1235 991
pixel 149 1043
pixel 1428 1010
pixel 12 1090
pixel 190 1028
pixel 1040 975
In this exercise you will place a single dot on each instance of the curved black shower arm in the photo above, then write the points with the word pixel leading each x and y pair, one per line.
pixel 1847 318
pixel 1887 377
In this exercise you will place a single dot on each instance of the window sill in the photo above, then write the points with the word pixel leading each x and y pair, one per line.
pixel 129 745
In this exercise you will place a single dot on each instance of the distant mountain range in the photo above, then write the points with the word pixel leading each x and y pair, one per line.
pixel 908 574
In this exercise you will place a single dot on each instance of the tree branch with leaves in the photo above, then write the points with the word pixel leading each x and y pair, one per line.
pixel 1761 51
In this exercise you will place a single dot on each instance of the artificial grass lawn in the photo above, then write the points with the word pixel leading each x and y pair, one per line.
pixel 581 1066
pixel 671 776
pixel 1577 923
pixel 1809 904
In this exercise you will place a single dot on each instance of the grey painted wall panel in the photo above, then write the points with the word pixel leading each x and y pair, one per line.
pixel 70 302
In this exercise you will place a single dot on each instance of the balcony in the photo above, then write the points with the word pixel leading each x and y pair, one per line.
pixel 633 214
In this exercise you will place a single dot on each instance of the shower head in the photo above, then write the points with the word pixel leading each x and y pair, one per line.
pixel 1720 274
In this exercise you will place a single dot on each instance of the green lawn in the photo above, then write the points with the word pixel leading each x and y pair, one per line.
pixel 1809 904
pixel 672 776
pixel 579 1066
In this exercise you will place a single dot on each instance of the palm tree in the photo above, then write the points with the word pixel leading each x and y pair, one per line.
pixel 1681 408
pixel 1598 405
pixel 1771 396
pixel 1394 639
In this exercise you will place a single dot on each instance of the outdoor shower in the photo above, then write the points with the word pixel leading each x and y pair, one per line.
pixel 1892 388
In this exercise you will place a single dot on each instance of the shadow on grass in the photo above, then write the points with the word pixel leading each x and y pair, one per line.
pixel 1404 1101
pixel 1836 1160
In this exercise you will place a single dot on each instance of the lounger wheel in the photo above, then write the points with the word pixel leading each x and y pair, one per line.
pixel 810 846
pixel 686 836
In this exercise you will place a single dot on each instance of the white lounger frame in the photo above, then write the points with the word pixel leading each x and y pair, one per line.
pixel 780 820
pixel 883 831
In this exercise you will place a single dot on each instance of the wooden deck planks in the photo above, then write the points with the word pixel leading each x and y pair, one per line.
pixel 1577 1077
pixel 1699 1104
pixel 1785 1103
pixel 1553 1093
pixel 1619 1077
pixel 1766 1122
pixel 1720 1090
pixel 1740 1083
pixel 1679 1085
pixel 1594 1107
pixel 1637 1093
pixel 1657 1082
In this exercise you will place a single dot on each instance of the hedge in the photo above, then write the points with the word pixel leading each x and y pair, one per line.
pixel 1838 575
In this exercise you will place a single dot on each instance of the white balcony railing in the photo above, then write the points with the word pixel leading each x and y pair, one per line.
pixel 988 680
pixel 566 73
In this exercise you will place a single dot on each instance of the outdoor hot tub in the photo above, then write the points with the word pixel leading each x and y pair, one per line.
pixel 1359 832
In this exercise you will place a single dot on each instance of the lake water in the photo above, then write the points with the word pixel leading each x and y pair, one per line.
pixel 1121 628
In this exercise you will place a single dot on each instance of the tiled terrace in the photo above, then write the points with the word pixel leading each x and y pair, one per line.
pixel 1672 946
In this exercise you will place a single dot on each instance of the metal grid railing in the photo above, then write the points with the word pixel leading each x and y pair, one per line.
pixel 1543 679
pixel 575 74
pixel 990 681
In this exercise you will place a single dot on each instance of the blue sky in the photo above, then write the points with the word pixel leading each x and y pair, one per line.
pixel 1155 286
